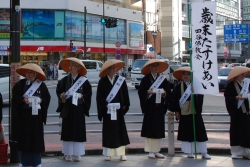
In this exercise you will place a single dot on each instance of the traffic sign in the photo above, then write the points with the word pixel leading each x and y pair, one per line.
pixel 189 46
pixel 118 57
pixel 151 49
pixel 118 44
pixel 236 33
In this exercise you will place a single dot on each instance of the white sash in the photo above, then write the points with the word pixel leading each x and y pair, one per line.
pixel 115 89
pixel 157 83
pixel 185 95
pixel 33 100
pixel 243 91
pixel 75 87
pixel 33 88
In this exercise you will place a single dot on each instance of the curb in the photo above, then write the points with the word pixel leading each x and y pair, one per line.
pixel 219 151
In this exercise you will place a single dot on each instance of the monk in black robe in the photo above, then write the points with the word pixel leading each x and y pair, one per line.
pixel 153 126
pixel 114 132
pixel 239 117
pixel 30 138
pixel 73 116
pixel 184 115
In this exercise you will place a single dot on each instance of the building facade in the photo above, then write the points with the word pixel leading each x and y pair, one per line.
pixel 47 27
pixel 175 29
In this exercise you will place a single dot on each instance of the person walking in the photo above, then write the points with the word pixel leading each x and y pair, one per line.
pixel 238 108
pixel 30 102
pixel 112 104
pixel 154 93
pixel 129 70
pixel 181 105
pixel 74 94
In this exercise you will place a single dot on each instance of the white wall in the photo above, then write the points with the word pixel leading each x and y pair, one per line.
pixel 92 7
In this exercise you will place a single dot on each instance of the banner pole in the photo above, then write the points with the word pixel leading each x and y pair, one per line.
pixel 191 66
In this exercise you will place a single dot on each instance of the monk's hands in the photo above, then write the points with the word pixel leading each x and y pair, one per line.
pixel 63 96
pixel 150 91
pixel 239 97
pixel 80 96
pixel 192 89
pixel 177 116
pixel 26 100
pixel 164 93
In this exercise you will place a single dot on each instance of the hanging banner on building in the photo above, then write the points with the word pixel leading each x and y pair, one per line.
pixel 204 57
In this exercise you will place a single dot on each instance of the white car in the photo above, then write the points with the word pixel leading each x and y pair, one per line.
pixel 93 69
pixel 4 81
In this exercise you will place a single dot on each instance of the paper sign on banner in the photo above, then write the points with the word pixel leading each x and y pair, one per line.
pixel 34 105
pixel 158 94
pixel 113 112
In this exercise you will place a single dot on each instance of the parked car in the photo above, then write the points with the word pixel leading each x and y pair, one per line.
pixel 4 81
pixel 185 64
pixel 93 69
pixel 222 77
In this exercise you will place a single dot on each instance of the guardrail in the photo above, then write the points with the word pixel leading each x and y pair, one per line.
pixel 170 121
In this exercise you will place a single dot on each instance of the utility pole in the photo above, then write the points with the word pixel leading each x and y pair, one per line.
pixel 104 50
pixel 85 31
pixel 15 63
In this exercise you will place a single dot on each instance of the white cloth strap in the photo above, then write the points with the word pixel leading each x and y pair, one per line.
pixel 75 86
pixel 115 89
pixel 33 88
pixel 185 95
pixel 157 83
pixel 244 90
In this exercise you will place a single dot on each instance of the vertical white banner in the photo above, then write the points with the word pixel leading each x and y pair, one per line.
pixel 204 46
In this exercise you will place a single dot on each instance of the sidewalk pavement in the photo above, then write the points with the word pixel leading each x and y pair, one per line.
pixel 141 160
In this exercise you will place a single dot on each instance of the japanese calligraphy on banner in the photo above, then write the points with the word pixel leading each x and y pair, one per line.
pixel 204 57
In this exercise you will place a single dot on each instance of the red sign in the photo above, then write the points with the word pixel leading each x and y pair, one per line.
pixel 131 51
pixel 118 44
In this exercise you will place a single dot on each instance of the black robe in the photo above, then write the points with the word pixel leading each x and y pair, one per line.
pixel 114 132
pixel 239 121
pixel 73 125
pixel 153 125
pixel 185 130
pixel 30 135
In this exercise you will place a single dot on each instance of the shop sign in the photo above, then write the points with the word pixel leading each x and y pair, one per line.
pixel 3 53
pixel 131 51
pixel 41 48
pixel 3 47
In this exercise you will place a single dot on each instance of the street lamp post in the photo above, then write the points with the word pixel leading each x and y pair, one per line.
pixel 154 33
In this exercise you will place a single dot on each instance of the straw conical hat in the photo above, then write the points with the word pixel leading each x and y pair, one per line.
pixel 238 70
pixel 119 64
pixel 33 67
pixel 178 72
pixel 162 66
pixel 64 64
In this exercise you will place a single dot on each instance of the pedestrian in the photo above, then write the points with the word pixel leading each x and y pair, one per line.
pixel 125 71
pixel 181 105
pixel 154 92
pixel 74 94
pixel 129 70
pixel 238 108
pixel 112 104
pixel 48 71
pixel 30 102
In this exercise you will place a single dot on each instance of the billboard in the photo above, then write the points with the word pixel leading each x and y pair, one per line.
pixel 136 35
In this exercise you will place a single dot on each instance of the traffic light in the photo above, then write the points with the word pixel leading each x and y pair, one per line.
pixel 110 22
pixel 103 21
pixel 71 45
